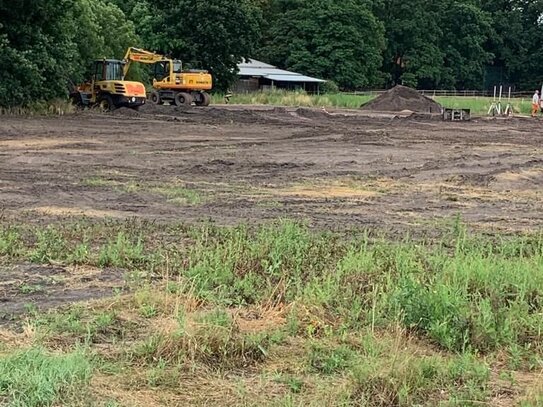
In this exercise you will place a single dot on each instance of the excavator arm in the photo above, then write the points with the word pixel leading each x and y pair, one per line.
pixel 141 56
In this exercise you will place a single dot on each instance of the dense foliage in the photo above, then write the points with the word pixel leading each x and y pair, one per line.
pixel 455 44
pixel 338 40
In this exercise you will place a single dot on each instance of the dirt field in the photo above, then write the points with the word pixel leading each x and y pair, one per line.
pixel 337 169
pixel 181 315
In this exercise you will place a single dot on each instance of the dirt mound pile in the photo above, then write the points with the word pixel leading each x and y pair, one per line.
pixel 402 98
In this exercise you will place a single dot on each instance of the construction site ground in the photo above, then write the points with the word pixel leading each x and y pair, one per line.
pixel 164 168
pixel 333 169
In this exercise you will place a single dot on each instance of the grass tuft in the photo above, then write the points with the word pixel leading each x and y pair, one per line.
pixel 35 378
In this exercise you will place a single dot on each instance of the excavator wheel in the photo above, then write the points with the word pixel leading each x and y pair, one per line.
pixel 204 99
pixel 183 99
pixel 155 98
pixel 105 103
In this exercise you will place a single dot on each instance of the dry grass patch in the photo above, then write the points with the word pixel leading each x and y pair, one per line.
pixel 327 192
pixel 344 188
pixel 79 212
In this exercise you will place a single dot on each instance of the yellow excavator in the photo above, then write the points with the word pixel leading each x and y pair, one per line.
pixel 107 88
pixel 171 83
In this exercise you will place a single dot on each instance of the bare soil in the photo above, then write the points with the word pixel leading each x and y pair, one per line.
pixel 339 169
pixel 402 98
pixel 336 170
pixel 29 287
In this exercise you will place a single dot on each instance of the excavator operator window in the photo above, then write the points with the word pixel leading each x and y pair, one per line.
pixel 98 71
pixel 162 70
pixel 177 67
pixel 114 71
pixel 108 70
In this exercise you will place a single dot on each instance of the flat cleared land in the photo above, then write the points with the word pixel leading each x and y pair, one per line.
pixel 238 164
pixel 258 256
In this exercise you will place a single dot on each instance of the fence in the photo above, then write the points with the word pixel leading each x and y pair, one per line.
pixel 453 93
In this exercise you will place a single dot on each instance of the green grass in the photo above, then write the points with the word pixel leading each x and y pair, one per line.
pixel 481 105
pixel 333 319
pixel 36 378
pixel 179 195
pixel 291 98
pixel 478 105
pixel 463 292
pixel 58 107
pixel 173 192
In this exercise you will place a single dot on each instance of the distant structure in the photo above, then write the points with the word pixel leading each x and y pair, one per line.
pixel 256 75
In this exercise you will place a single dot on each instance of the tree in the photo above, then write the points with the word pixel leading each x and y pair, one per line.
pixel 46 44
pixel 214 34
pixel 102 30
pixel 413 55
pixel 466 31
pixel 435 44
pixel 37 50
pixel 518 26
pixel 337 41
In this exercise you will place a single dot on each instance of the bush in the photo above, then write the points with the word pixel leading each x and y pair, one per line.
pixel 329 87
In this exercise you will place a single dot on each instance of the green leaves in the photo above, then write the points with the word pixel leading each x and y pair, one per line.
pixel 47 44
pixel 211 34
pixel 341 42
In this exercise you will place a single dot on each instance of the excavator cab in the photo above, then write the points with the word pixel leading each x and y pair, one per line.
pixel 168 71
pixel 108 70
pixel 161 70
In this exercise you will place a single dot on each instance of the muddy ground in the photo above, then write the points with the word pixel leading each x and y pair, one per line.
pixel 336 170
pixel 339 169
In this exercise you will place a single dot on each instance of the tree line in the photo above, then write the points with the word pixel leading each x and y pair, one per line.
pixel 356 44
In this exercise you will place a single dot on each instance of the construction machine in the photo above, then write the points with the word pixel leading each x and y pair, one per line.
pixel 107 88
pixel 171 83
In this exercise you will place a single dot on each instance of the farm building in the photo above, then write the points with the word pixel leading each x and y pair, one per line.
pixel 256 75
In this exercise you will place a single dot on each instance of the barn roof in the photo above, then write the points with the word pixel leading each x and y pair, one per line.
pixel 252 67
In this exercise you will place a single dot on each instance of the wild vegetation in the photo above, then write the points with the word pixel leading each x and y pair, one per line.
pixel 48 44
pixel 275 312
pixel 478 105
pixel 316 318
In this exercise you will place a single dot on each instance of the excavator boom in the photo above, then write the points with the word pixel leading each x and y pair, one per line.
pixel 141 56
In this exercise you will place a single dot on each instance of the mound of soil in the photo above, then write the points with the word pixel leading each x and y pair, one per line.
pixel 402 98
